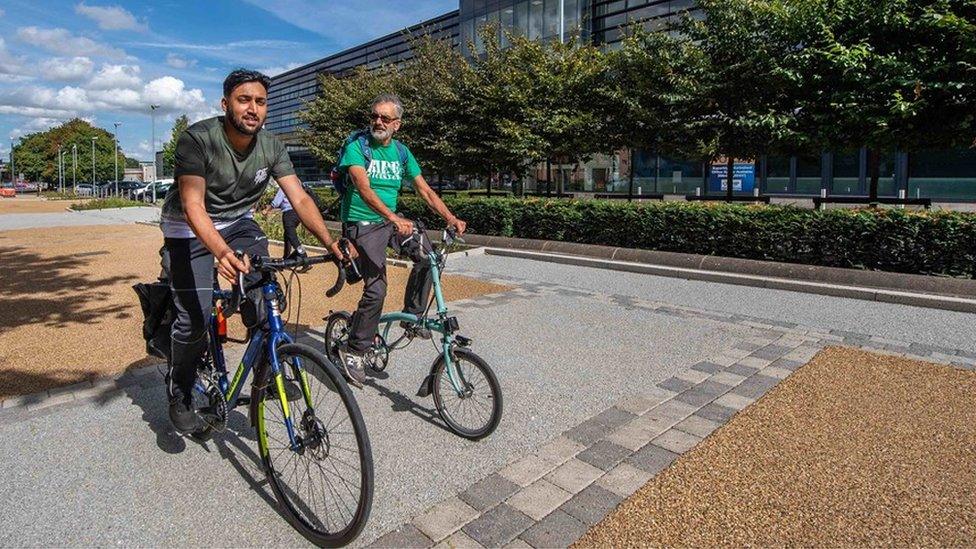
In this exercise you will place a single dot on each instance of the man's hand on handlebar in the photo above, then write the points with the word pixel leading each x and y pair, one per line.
pixel 346 252
pixel 457 225
pixel 404 227
pixel 229 265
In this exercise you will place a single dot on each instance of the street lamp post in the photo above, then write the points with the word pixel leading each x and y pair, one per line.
pixel 94 137
pixel 115 149
pixel 13 167
pixel 60 182
pixel 74 168
pixel 152 150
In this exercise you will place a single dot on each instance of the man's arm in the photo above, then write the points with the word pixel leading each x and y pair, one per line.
pixel 309 214
pixel 192 194
pixel 436 204
pixel 361 179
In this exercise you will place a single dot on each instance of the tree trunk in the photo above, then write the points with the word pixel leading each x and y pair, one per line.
pixel 548 178
pixel 874 161
pixel 730 166
pixel 489 183
pixel 630 188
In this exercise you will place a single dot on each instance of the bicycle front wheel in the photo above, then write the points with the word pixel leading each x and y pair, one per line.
pixel 476 411
pixel 324 481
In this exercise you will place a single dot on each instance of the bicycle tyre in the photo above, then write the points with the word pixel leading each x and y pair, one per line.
pixel 442 384
pixel 277 456
pixel 336 334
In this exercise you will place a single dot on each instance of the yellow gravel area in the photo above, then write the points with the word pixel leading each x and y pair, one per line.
pixel 68 312
pixel 25 204
pixel 855 449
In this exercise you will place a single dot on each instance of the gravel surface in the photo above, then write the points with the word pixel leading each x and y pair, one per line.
pixel 68 312
pixel 854 449
pixel 25 204
pixel 896 322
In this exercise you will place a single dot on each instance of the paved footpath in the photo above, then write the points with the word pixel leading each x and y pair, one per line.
pixel 607 377
pixel 114 216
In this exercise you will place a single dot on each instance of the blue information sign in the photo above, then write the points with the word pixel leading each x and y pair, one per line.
pixel 743 177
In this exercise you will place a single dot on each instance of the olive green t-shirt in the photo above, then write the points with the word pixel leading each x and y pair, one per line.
pixel 235 181
pixel 385 176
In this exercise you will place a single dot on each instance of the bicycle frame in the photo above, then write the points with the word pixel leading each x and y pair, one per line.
pixel 269 341
pixel 440 325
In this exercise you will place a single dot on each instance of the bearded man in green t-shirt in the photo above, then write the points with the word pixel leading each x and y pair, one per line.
pixel 370 221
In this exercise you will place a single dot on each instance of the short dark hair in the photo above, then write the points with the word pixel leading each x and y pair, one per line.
pixel 242 76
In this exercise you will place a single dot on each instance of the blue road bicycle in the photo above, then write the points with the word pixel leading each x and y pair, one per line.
pixel 311 435
pixel 466 391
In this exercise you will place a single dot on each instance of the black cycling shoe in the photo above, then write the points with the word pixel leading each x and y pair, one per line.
pixel 293 391
pixel 182 415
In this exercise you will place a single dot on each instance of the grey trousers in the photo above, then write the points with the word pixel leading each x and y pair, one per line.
pixel 290 223
pixel 371 241
pixel 191 275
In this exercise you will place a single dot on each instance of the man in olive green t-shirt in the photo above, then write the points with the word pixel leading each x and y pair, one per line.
pixel 370 221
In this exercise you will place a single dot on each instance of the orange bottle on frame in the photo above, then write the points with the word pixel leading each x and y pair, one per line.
pixel 221 325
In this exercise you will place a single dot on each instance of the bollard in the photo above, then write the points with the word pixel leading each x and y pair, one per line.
pixel 697 191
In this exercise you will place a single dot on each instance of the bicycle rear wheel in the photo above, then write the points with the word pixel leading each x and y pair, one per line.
pixel 475 413
pixel 336 334
pixel 325 484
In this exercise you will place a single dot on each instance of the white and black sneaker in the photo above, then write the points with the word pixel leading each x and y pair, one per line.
pixel 353 366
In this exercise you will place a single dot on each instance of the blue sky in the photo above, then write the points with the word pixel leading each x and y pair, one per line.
pixel 106 62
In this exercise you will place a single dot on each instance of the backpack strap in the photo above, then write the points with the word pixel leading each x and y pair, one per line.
pixel 402 151
pixel 363 140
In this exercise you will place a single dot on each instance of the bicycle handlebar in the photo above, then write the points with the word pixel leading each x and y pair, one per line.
pixel 270 265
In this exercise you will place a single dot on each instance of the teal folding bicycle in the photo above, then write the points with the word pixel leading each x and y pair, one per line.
pixel 466 391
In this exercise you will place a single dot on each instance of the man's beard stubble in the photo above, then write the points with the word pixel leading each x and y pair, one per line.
pixel 239 125
pixel 381 135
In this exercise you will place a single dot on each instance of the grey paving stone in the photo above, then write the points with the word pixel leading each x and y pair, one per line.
pixel 640 404
pixel 599 425
pixel 778 373
pixel 458 540
pixel 675 385
pixel 698 426
pixel 637 433
pixel 559 449
pixel 734 401
pixel 406 535
pixel 715 412
pixel 771 352
pixel 755 362
pixel 498 526
pixel 603 455
pixel 518 543
pixel 727 378
pixel 676 441
pixel 746 346
pixel 488 492
pixel 652 459
pixel 445 518
pixel 50 401
pixel 538 499
pixel 787 364
pixel 740 369
pixel 624 480
pixel 703 393
pixel 692 376
pixel 530 468
pixel 756 386
pixel 671 411
pixel 592 504
pixel 559 529
pixel 574 475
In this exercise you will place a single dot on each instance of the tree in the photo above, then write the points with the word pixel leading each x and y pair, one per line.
pixel 889 75
pixel 651 87
pixel 36 155
pixel 739 56
pixel 169 149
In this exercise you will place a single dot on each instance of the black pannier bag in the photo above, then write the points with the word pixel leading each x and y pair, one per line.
pixel 158 315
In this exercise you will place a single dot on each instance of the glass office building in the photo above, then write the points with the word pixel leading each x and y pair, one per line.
pixel 940 175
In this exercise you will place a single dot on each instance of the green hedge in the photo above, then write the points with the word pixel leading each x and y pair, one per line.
pixel 110 202
pixel 939 242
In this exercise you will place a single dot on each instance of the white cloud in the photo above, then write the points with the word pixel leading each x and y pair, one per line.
pixel 63 42
pixel 274 71
pixel 110 17
pixel 32 112
pixel 170 94
pixel 179 62
pixel 68 70
pixel 144 146
pixel 9 64
pixel 116 76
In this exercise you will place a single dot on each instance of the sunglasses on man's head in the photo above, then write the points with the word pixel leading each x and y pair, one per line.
pixel 386 119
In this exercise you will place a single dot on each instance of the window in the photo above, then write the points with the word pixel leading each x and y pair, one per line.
pixel 777 174
pixel 522 17
pixel 535 19
pixel 808 174
pixel 846 172
pixel 507 20
pixel 551 25
pixel 679 176
pixel 571 9
pixel 942 174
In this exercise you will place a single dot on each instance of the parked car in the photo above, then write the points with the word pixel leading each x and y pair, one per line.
pixel 146 193
pixel 84 189
pixel 25 187
pixel 319 184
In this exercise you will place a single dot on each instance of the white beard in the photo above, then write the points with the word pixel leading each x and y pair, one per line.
pixel 381 135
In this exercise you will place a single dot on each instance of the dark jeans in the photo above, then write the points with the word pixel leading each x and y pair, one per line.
pixel 371 241
pixel 290 222
pixel 191 275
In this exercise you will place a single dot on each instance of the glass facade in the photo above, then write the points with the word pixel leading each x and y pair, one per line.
pixel 940 175
pixel 536 19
